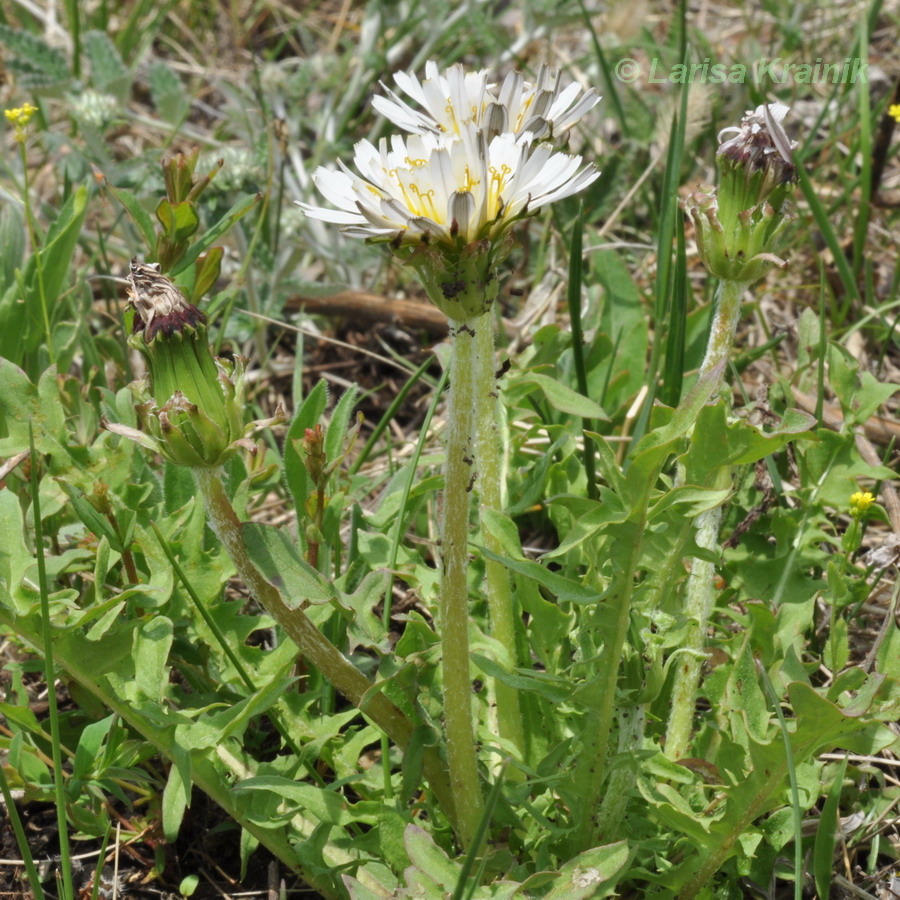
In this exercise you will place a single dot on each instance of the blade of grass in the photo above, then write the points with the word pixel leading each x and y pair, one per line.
pixel 98 869
pixel 573 296
pixel 297 375
pixel 820 368
pixel 136 30
pixel 873 14
pixel 463 885
pixel 66 885
pixel 828 104
pixel 673 372
pixel 609 84
pixel 204 612
pixel 613 355
pixel 827 835
pixel 74 17
pixel 397 536
pixel 861 226
pixel 34 879
pixel 828 234
pixel 666 229
pixel 398 528
pixel 389 414
pixel 888 342
pixel 792 775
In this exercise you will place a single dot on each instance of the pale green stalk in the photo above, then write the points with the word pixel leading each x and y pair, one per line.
pixel 600 694
pixel 314 646
pixel 698 605
pixel 623 775
pixel 491 478
pixel 36 251
pixel 459 480
pixel 699 597
pixel 724 325
pixel 64 878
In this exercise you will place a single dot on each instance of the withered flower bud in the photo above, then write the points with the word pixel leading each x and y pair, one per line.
pixel 158 304
pixel 191 408
pixel 740 225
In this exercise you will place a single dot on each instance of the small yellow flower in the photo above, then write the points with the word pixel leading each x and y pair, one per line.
pixel 860 503
pixel 894 111
pixel 20 117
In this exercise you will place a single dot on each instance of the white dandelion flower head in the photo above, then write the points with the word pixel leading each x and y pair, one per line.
pixel 448 190
pixel 445 101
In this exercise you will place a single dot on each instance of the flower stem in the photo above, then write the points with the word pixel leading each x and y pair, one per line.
pixel 699 595
pixel 314 646
pixel 37 253
pixel 458 483
pixel 64 881
pixel 724 325
pixel 491 478
pixel 600 693
pixel 622 779
pixel 697 607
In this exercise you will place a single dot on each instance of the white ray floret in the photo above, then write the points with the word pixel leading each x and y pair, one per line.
pixel 446 188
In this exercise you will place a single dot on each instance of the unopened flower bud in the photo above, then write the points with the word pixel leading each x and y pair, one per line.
pixel 313 453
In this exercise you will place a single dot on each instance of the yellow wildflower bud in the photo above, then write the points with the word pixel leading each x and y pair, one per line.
pixel 20 117
pixel 894 111
pixel 860 503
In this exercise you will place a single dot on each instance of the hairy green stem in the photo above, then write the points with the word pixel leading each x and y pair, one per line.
pixel 457 685
pixel 699 597
pixel 489 445
pixel 724 325
pixel 623 774
pixel 600 695
pixel 698 605
pixel 314 646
